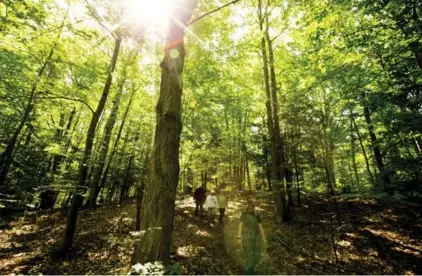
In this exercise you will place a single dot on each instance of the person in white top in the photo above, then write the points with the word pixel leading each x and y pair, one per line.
pixel 211 204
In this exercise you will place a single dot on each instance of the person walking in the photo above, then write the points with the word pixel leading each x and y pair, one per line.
pixel 222 205
pixel 199 197
pixel 250 233
pixel 211 204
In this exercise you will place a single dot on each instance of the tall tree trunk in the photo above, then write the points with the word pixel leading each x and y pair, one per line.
pixel 248 174
pixel 297 175
pixel 275 164
pixel 353 153
pixel 140 192
pixel 125 189
pixel 283 167
pixel 128 173
pixel 160 191
pixel 83 169
pixel 384 176
pixel 115 145
pixel 267 159
pixel 368 167
pixel 116 174
pixel 108 129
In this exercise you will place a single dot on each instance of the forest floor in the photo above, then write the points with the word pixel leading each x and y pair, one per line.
pixel 374 238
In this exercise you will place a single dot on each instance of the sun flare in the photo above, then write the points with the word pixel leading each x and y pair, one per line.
pixel 148 13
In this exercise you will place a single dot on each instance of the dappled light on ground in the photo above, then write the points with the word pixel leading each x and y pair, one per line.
pixel 189 251
pixel 369 241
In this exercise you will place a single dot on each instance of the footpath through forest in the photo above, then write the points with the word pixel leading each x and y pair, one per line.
pixel 374 238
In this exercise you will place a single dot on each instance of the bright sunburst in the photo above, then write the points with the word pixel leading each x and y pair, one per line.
pixel 149 13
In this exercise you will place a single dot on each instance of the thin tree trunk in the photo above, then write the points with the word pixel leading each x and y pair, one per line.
pixel 283 166
pixel 248 174
pixel 368 167
pixel 353 153
pixel 83 169
pixel 140 192
pixel 115 145
pixel 108 129
pixel 275 164
pixel 384 176
pixel 128 173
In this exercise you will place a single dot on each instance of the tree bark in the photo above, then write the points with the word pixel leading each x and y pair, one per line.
pixel 353 153
pixel 115 145
pixel 105 143
pixel 284 172
pixel 275 164
pixel 248 174
pixel 124 192
pixel 83 169
pixel 368 167
pixel 160 192
pixel 384 176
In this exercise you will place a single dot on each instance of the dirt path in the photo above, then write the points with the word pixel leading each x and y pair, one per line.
pixel 375 238
pixel 202 249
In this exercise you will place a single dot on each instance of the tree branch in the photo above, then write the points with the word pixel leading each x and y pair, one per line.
pixel 98 18
pixel 67 98
pixel 211 12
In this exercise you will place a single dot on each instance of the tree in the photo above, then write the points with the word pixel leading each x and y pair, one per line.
pixel 83 169
pixel 163 173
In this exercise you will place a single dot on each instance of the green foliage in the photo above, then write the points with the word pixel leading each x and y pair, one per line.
pixel 333 59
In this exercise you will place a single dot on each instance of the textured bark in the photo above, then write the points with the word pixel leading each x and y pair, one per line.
pixel 83 169
pixel 163 173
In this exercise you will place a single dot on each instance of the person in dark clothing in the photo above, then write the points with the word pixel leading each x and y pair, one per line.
pixel 199 197
pixel 250 234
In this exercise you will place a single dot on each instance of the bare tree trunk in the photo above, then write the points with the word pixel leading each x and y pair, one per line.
pixel 115 145
pixel 368 167
pixel 248 174
pixel 284 172
pixel 384 176
pixel 108 129
pixel 275 157
pixel 267 167
pixel 83 169
pixel 353 153
pixel 163 173
pixel 125 190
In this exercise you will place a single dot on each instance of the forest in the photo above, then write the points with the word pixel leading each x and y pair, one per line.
pixel 304 117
